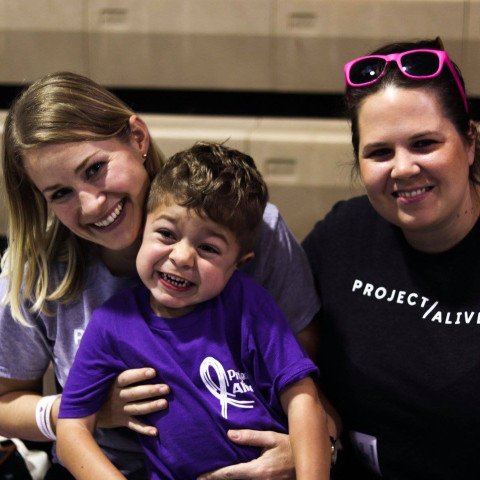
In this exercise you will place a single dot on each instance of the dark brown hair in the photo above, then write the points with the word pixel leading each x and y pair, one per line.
pixel 218 182
pixel 444 87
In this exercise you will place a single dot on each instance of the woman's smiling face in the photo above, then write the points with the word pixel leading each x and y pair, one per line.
pixel 97 189
pixel 415 166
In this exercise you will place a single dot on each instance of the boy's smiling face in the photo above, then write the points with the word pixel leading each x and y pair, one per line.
pixel 185 259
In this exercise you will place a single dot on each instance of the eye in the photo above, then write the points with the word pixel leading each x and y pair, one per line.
pixel 210 249
pixel 59 194
pixel 166 235
pixel 93 169
pixel 379 154
pixel 425 144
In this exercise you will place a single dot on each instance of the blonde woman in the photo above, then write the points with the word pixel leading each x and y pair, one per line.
pixel 77 164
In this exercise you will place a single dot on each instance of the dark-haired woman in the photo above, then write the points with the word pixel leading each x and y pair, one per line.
pixel 398 272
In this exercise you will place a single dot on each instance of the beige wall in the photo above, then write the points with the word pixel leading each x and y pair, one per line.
pixel 272 45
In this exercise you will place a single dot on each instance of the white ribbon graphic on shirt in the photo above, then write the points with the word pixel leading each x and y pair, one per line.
pixel 220 391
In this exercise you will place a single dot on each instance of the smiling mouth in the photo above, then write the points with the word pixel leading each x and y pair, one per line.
pixel 411 193
pixel 112 217
pixel 175 281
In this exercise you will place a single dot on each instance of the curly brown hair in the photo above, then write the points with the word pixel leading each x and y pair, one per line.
pixel 218 182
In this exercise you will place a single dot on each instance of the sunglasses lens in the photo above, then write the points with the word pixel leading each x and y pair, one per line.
pixel 420 64
pixel 366 70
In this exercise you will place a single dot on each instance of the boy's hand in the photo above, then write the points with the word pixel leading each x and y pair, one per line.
pixel 275 463
pixel 128 398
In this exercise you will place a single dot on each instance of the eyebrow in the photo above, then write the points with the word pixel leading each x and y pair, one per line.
pixel 368 146
pixel 77 170
pixel 423 134
pixel 207 231
pixel 375 145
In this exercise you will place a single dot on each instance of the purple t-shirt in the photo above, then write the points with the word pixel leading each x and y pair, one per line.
pixel 226 363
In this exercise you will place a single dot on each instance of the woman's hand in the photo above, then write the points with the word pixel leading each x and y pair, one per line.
pixel 128 398
pixel 275 463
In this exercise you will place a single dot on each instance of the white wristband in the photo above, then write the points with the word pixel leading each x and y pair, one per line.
pixel 42 416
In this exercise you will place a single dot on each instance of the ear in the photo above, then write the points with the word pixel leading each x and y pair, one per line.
pixel 245 259
pixel 473 134
pixel 140 136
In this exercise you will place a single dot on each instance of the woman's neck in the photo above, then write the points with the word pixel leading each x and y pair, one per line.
pixel 121 263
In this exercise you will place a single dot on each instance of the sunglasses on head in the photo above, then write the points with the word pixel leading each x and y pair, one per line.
pixel 417 64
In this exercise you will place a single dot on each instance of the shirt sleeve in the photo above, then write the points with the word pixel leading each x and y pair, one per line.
pixel 275 357
pixel 94 369
pixel 281 266
pixel 25 350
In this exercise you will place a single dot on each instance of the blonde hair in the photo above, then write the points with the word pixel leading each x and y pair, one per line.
pixel 58 108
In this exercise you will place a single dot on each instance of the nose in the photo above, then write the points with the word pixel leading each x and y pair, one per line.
pixel 405 165
pixel 91 202
pixel 182 255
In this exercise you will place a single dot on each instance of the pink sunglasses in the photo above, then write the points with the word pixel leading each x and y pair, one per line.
pixel 418 64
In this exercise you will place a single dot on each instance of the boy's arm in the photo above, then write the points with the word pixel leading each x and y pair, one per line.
pixel 307 427
pixel 79 452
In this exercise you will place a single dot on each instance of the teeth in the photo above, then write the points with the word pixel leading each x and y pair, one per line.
pixel 177 281
pixel 412 193
pixel 111 218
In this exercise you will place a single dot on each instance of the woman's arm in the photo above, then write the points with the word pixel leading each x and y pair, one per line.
pixel 18 400
pixel 79 452
pixel 307 426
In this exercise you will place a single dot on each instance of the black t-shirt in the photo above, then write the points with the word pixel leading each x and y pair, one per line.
pixel 400 342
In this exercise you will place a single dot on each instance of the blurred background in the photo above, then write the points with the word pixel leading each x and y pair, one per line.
pixel 264 75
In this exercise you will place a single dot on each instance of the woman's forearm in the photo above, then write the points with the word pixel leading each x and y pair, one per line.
pixel 18 401
pixel 79 452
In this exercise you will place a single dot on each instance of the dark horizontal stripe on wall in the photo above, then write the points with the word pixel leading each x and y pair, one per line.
pixel 217 102
pixel 234 103
pixel 261 104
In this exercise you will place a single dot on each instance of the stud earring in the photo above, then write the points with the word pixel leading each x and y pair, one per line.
pixel 144 156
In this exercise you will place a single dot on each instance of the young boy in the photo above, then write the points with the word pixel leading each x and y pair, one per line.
pixel 212 334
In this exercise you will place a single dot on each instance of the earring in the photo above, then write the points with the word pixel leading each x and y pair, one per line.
pixel 144 156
